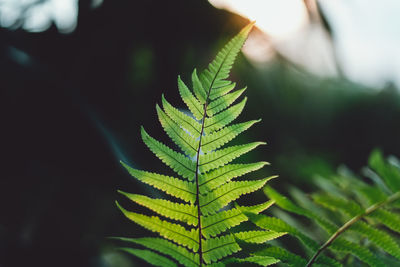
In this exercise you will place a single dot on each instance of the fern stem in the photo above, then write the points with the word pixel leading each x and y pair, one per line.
pixel 198 187
pixel 352 221
pixel 197 175
pixel 198 156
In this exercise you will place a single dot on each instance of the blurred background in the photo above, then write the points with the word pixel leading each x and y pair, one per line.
pixel 78 78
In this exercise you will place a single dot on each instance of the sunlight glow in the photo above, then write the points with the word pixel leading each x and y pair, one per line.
pixel 38 16
pixel 278 18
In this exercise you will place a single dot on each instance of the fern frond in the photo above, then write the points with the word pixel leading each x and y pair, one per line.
pixel 176 161
pixel 221 157
pixel 176 211
pixel 219 247
pixel 203 164
pixel 223 195
pixel 149 256
pixel 213 179
pixel 173 186
pixel 378 237
pixel 217 139
pixel 181 254
pixel 166 229
pixel 191 102
pixel 360 252
pixel 360 208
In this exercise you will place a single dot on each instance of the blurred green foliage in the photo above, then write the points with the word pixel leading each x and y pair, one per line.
pixel 72 109
pixel 355 217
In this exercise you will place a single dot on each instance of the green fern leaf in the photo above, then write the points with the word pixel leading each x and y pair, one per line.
pixel 359 208
pixel 217 139
pixel 181 254
pixel 371 194
pixel 198 88
pixel 177 211
pixel 389 219
pixel 211 180
pixel 260 260
pixel 288 205
pixel 283 255
pixel 223 195
pixel 224 118
pixel 221 157
pixel 151 257
pixel 389 173
pixel 360 252
pixel 186 122
pixel 256 208
pixel 258 237
pixel 166 229
pixel 187 143
pixel 219 247
pixel 170 185
pixel 278 225
pixel 221 89
pixel 219 68
pixel 220 222
pixel 191 102
pixel 223 102
pixel 178 162
pixel 336 203
pixel 378 237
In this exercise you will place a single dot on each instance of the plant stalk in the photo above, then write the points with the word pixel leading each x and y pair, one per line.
pixel 349 223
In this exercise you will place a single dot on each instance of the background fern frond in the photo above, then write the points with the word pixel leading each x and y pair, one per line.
pixel 356 216
pixel 181 254
pixel 150 257
pixel 283 255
